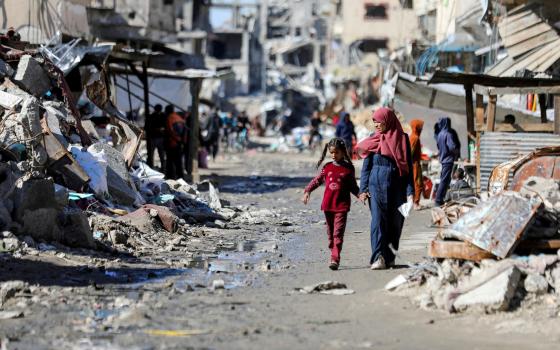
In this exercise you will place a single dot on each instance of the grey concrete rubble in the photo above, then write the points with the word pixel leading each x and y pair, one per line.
pixel 121 186
pixel 31 76
pixel 488 286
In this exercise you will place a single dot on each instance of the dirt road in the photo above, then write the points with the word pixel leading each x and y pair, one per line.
pixel 261 266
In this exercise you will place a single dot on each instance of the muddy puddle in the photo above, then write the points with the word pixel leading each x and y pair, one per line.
pixel 231 264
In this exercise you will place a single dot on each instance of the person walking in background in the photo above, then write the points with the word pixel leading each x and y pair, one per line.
pixel 340 181
pixel 175 131
pixel 449 151
pixel 212 138
pixel 345 130
pixel 315 131
pixel 416 151
pixel 228 127
pixel 154 127
pixel 386 180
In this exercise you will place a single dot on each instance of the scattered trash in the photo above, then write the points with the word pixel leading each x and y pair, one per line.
pixel 328 287
pixel 176 333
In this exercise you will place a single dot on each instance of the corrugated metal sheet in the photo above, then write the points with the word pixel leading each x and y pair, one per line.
pixel 499 147
pixel 496 225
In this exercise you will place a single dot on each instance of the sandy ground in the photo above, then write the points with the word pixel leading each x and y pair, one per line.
pixel 260 309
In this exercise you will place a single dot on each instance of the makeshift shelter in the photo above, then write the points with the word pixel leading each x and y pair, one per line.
pixel 497 143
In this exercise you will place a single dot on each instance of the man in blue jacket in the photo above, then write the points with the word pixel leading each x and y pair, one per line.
pixel 345 130
pixel 449 151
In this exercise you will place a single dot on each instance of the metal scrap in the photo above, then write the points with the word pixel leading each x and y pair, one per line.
pixel 496 225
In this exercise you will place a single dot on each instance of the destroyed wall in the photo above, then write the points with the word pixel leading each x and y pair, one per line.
pixel 151 20
pixel 387 20
pixel 37 22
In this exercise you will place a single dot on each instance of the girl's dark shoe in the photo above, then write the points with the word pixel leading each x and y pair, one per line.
pixel 333 265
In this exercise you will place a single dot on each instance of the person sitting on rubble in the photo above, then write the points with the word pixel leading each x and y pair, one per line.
pixel 175 134
pixel 460 188
pixel 154 127
pixel 340 181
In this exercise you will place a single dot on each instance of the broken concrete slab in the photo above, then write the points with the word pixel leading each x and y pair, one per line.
pixel 493 289
pixel 36 209
pixel 120 184
pixel 31 76
pixel 9 101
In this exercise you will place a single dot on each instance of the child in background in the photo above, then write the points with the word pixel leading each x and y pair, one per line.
pixel 340 181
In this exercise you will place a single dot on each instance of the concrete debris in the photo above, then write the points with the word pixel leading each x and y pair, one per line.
pixel 31 76
pixel 492 289
pixel 144 218
pixel 487 286
pixel 9 289
pixel 214 194
pixel 6 71
pixel 535 283
pixel 328 287
pixel 121 187
pixel 218 284
pixel 5 315
pixel 9 101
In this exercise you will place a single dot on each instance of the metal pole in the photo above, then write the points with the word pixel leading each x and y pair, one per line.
pixel 146 89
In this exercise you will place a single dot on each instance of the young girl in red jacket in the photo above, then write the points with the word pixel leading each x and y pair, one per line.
pixel 340 181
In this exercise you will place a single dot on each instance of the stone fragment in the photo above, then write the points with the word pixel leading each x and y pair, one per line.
pixel 121 187
pixel 494 294
pixel 535 283
pixel 10 289
pixel 9 101
pixel 218 284
pixel 77 232
pixel 31 76
pixel 6 70
pixel 36 209
pixel 118 237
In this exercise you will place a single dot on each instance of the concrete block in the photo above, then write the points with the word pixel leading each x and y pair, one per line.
pixel 493 295
pixel 77 232
pixel 535 283
pixel 6 70
pixel 31 76
pixel 121 187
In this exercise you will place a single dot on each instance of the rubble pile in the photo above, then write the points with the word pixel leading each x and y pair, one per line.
pixel 488 286
pixel 61 183
pixel 495 256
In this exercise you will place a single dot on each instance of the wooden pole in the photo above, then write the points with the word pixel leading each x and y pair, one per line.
pixel 470 118
pixel 479 128
pixel 479 113
pixel 491 117
pixel 192 141
pixel 557 114
pixel 542 107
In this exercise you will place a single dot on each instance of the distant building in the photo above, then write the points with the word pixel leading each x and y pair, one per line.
pixel 367 26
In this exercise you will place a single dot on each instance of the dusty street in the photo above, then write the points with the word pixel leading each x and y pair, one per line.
pixel 142 304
